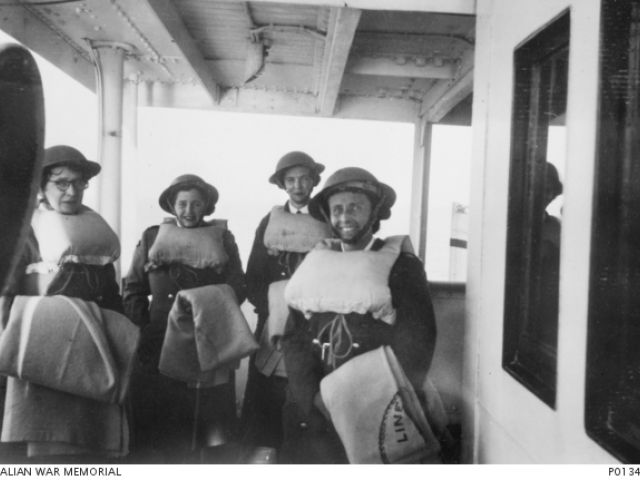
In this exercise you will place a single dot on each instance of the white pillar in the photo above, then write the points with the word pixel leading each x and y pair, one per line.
pixel 109 64
pixel 420 187
pixel 130 231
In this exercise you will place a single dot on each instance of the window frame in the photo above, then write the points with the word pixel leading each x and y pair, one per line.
pixel 530 362
pixel 612 390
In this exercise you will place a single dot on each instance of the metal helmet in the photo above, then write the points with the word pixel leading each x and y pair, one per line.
pixel 359 180
pixel 296 159
pixel 64 155
pixel 187 182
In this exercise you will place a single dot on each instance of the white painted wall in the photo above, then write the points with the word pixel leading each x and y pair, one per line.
pixel 505 423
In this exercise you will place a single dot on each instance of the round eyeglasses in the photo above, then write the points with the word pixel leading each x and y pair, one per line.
pixel 63 185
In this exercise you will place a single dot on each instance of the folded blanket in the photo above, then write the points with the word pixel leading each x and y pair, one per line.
pixel 387 425
pixel 69 345
pixel 206 331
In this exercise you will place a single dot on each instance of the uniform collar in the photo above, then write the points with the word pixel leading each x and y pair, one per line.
pixel 291 209
pixel 367 247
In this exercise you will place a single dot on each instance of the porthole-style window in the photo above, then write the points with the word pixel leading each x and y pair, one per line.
pixel 612 402
pixel 534 212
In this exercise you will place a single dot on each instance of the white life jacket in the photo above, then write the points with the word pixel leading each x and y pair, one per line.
pixel 82 238
pixel 201 247
pixel 290 232
pixel 347 282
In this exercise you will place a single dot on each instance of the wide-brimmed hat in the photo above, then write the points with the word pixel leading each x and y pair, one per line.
pixel 187 182
pixel 296 159
pixel 64 155
pixel 354 179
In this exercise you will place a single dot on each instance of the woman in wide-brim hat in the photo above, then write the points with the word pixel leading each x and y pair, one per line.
pixel 184 252
pixel 70 251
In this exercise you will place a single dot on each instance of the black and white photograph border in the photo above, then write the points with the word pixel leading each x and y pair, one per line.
pixel 508 132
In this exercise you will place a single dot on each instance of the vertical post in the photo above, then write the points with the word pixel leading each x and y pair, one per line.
pixel 109 64
pixel 420 187
pixel 129 223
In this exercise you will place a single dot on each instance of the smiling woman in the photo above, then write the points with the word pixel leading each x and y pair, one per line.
pixel 173 258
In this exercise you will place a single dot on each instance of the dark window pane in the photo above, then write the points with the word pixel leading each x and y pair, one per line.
pixel 613 354
pixel 533 236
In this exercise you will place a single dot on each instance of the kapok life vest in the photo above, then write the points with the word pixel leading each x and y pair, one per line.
pixel 290 232
pixel 82 238
pixel 201 247
pixel 346 282
pixel 206 332
pixel 270 360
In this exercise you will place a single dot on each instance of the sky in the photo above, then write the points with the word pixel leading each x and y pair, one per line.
pixel 238 152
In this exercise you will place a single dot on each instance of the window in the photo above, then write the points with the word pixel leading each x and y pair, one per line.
pixel 612 404
pixel 533 234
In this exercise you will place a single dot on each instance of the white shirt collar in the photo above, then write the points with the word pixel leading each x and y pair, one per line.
pixel 293 209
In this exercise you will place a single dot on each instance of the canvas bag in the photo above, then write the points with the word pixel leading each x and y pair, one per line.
pixel 206 334
pixel 201 247
pixel 290 232
pixel 346 282
pixel 69 345
pixel 387 425
pixel 82 238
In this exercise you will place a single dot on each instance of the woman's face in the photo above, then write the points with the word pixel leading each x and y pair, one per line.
pixel 189 207
pixel 350 215
pixel 64 190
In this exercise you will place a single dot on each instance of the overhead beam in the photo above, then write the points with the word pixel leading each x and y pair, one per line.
pixel 171 20
pixel 462 7
pixel 246 100
pixel 342 29
pixel 386 67
pixel 38 34
pixel 444 96
pixel 373 108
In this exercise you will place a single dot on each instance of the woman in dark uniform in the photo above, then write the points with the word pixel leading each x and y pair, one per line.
pixel 184 252
pixel 69 252
pixel 353 201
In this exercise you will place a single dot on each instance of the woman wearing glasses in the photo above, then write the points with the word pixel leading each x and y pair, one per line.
pixel 76 246
pixel 70 252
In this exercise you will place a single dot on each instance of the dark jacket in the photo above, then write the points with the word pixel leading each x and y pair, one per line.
pixel 264 396
pixel 412 339
pixel 264 269
pixel 92 283
pixel 165 418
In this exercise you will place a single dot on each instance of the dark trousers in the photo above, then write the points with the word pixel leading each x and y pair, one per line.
pixel 169 418
pixel 309 439
pixel 262 409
